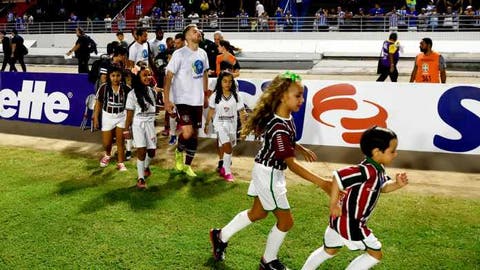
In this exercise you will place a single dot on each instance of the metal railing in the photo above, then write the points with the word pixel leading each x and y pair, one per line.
pixel 296 24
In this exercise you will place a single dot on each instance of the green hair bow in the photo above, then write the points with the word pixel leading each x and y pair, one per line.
pixel 294 77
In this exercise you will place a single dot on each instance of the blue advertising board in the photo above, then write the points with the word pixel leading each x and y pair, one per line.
pixel 51 98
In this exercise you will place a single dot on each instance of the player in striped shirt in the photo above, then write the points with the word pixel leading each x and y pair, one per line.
pixel 355 192
pixel 110 106
pixel 272 119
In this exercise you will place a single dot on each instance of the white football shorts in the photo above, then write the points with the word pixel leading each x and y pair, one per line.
pixel 144 134
pixel 269 185
pixel 332 239
pixel 110 121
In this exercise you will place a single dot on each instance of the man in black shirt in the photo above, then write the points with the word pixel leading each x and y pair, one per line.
pixel 81 50
pixel 18 51
pixel 7 50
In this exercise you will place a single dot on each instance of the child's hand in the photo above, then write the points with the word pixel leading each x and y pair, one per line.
pixel 335 210
pixel 309 155
pixel 126 134
pixel 206 129
pixel 96 124
pixel 401 179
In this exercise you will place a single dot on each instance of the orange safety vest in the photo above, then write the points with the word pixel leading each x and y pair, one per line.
pixel 428 68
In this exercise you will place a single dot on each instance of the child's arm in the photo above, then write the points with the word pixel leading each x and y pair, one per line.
pixel 305 173
pixel 96 114
pixel 401 180
pixel 335 209
pixel 308 154
pixel 128 124
pixel 210 114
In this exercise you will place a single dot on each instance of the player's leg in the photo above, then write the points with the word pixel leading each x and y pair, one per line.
pixel 332 242
pixel 369 258
pixel 107 139
pixel 120 149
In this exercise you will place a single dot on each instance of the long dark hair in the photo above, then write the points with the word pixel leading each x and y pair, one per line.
pixel 218 87
pixel 141 90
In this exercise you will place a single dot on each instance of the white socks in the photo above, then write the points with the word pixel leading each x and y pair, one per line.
pixel 227 161
pixel 239 222
pixel 128 146
pixel 274 241
pixel 362 262
pixel 147 161
pixel 140 168
pixel 316 258
pixel 173 126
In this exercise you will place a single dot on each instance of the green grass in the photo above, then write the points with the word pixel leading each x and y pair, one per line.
pixel 61 211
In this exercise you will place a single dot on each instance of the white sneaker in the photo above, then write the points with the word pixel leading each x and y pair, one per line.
pixel 121 167
pixel 104 161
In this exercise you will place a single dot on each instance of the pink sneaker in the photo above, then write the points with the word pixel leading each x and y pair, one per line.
pixel 121 167
pixel 141 184
pixel 104 161
pixel 221 172
pixel 228 177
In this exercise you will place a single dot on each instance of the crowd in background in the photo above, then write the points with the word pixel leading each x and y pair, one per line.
pixel 263 15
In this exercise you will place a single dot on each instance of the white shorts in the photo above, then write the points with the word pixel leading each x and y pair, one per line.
pixel 144 135
pixel 110 121
pixel 226 133
pixel 332 239
pixel 269 185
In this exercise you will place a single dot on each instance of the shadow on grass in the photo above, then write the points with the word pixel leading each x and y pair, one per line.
pixel 214 265
pixel 97 177
pixel 204 185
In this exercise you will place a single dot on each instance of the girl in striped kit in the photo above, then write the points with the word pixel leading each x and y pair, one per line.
pixel 111 98
pixel 272 119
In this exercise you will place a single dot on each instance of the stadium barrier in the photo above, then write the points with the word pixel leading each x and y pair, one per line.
pixel 436 119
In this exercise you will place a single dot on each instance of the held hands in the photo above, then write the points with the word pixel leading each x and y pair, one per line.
pixel 95 123
pixel 206 129
pixel 168 106
pixel 126 134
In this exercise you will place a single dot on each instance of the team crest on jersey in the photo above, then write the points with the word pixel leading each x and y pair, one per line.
pixel 186 118
pixel 162 47
pixel 226 109
pixel 197 67
pixel 145 53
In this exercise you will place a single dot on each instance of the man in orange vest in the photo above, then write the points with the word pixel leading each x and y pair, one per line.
pixel 430 66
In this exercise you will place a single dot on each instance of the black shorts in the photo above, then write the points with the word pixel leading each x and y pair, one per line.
pixel 189 115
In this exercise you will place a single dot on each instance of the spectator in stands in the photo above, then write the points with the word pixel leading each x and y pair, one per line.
pixel 243 19
pixel 81 50
pixel 204 9
pixel 320 21
pixel 259 9
pixel 108 23
pixel 430 66
pixel 387 65
pixel 450 19
pixel 412 19
pixel 18 51
pixel 288 21
pixel 468 17
pixel 432 18
pixel 7 50
pixel 121 22
pixel 194 17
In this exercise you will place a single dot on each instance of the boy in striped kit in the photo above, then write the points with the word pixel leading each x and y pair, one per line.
pixel 355 192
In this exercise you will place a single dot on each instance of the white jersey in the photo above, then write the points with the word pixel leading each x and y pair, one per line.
pixel 188 68
pixel 138 52
pixel 157 46
pixel 226 111
pixel 138 115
